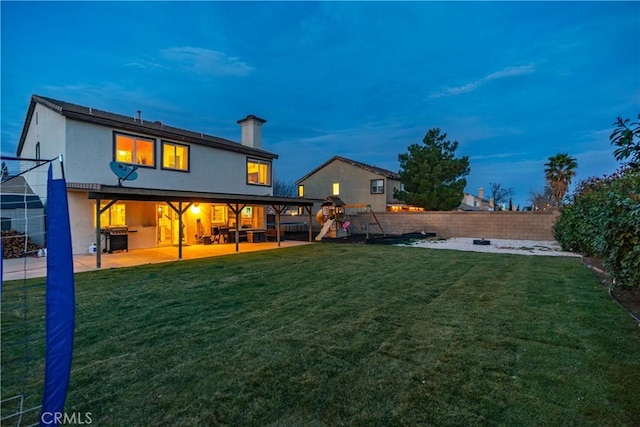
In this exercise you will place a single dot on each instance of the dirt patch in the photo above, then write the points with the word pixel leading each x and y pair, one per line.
pixel 627 298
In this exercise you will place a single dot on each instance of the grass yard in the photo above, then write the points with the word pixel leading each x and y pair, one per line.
pixel 331 334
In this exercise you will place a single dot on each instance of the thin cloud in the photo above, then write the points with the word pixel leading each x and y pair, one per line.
pixel 206 61
pixel 144 64
pixel 495 156
pixel 470 87
pixel 511 72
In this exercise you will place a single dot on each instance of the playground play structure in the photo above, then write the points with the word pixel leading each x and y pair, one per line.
pixel 334 217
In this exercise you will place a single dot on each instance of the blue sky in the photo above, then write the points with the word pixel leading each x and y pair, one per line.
pixel 512 82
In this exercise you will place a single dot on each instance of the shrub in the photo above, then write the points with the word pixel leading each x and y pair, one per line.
pixel 603 220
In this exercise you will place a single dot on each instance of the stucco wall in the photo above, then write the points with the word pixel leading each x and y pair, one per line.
pixel 355 185
pixel 497 225
pixel 48 128
pixel 140 217
pixel 81 215
pixel 90 149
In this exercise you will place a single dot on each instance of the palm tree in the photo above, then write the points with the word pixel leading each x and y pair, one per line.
pixel 558 171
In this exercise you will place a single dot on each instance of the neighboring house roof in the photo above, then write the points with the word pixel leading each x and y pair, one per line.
pixel 16 185
pixel 369 168
pixel 333 200
pixel 130 123
pixel 16 193
pixel 466 207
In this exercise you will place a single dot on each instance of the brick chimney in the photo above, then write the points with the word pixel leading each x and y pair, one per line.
pixel 252 131
pixel 481 193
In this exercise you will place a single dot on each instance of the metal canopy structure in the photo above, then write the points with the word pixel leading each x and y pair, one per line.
pixel 180 201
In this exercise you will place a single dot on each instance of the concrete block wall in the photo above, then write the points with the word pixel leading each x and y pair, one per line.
pixel 497 225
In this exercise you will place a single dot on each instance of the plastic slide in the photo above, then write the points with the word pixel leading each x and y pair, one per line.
pixel 324 230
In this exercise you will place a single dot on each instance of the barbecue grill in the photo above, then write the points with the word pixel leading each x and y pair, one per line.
pixel 116 238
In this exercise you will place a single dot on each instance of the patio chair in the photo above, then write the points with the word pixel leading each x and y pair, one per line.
pixel 215 234
pixel 224 234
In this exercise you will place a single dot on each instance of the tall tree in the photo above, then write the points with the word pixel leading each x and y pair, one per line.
pixel 559 171
pixel 431 174
pixel 500 194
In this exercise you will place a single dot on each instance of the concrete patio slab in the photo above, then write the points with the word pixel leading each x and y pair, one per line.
pixel 29 267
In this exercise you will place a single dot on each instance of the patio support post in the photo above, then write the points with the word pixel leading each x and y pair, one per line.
pixel 99 227
pixel 179 230
pixel 278 212
pixel 237 212
pixel 180 211
pixel 279 209
pixel 236 209
pixel 99 248
pixel 309 209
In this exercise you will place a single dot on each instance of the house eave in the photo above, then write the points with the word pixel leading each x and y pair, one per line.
pixel 109 192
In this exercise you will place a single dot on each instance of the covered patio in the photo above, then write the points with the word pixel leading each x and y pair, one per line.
pixel 181 201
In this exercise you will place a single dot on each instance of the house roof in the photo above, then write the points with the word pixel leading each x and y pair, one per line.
pixel 369 168
pixel 129 123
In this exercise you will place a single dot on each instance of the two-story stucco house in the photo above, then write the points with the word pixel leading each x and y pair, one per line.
pixel 354 182
pixel 186 180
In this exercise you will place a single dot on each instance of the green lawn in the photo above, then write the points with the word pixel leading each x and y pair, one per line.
pixel 332 334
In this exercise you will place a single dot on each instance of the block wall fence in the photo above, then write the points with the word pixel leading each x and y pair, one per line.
pixel 497 225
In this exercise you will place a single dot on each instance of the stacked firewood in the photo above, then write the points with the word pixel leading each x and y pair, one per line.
pixel 13 245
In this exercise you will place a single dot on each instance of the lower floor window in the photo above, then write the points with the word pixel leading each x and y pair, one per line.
pixel 115 215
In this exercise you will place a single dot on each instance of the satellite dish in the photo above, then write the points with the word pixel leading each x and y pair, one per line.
pixel 124 172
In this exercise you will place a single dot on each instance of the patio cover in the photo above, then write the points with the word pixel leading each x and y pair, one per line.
pixel 236 203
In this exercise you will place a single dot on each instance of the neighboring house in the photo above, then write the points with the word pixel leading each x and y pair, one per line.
pixel 21 209
pixel 476 203
pixel 356 183
pixel 177 168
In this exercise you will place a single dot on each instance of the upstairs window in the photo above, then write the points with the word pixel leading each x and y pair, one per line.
pixel 258 172
pixel 133 149
pixel 175 156
pixel 377 186
pixel 335 189
pixel 300 190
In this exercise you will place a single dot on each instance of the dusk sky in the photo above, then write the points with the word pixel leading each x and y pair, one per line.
pixel 512 82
